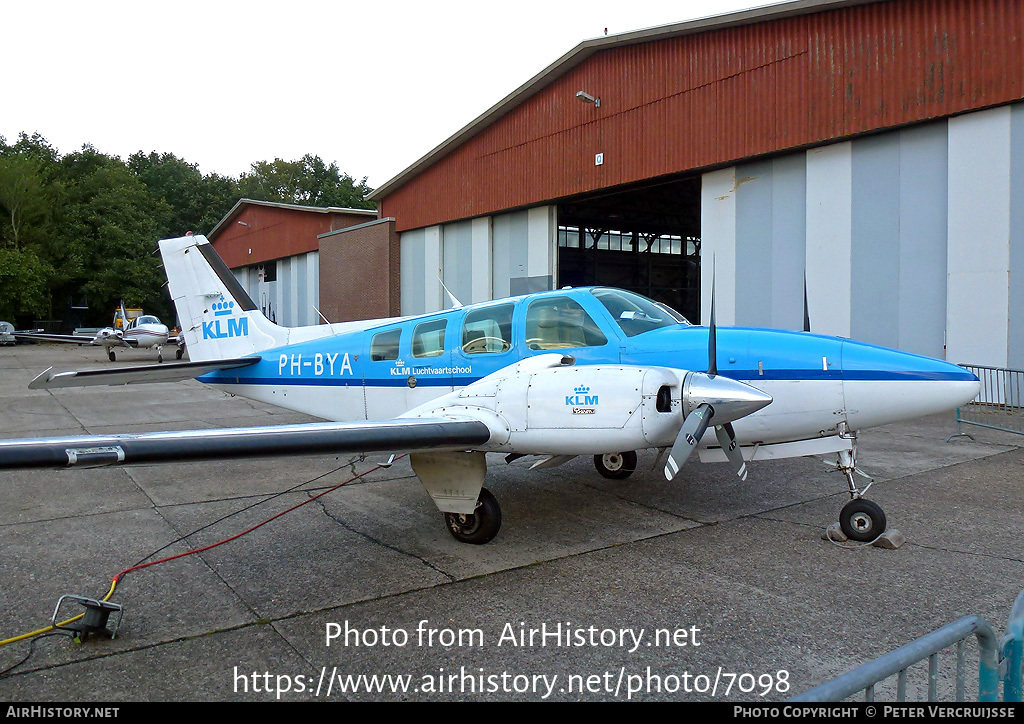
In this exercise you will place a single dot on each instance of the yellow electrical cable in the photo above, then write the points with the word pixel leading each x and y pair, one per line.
pixel 30 634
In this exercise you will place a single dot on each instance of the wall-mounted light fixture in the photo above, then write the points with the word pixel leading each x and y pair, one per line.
pixel 585 97
pixel 242 223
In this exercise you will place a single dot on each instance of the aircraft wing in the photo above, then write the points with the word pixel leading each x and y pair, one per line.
pixel 405 434
pixel 45 337
pixel 167 372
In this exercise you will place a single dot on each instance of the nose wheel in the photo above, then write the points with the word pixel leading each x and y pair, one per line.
pixel 616 466
pixel 862 520
pixel 481 525
pixel 111 356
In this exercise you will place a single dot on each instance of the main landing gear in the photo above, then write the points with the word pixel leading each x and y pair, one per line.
pixel 861 520
pixel 111 356
pixel 478 527
pixel 616 466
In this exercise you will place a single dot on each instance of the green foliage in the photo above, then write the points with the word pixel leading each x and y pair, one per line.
pixel 22 284
pixel 196 202
pixel 86 224
pixel 307 181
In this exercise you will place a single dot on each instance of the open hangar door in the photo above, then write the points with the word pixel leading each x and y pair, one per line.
pixel 645 239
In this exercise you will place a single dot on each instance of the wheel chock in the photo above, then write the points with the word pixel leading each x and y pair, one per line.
pixel 890 540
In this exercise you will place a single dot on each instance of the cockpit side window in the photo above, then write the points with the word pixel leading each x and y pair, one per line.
pixel 635 314
pixel 428 338
pixel 488 330
pixel 384 345
pixel 560 322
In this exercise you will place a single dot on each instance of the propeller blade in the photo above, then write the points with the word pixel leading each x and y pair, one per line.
pixel 689 435
pixel 727 439
pixel 807 316
pixel 712 331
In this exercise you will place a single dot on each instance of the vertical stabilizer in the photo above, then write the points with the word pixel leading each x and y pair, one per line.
pixel 218 319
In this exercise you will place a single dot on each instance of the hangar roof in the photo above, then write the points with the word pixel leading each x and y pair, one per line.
pixel 268 230
pixel 242 203
pixel 588 47
pixel 684 98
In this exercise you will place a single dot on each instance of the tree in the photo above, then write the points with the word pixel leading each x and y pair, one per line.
pixel 196 202
pixel 24 199
pixel 23 284
pixel 307 181
pixel 114 223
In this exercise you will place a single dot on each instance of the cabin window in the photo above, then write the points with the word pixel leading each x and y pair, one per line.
pixel 428 338
pixel 488 330
pixel 384 346
pixel 560 322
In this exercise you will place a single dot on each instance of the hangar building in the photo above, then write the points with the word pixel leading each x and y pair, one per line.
pixel 867 156
pixel 274 250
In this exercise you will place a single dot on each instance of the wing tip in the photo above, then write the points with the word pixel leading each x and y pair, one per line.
pixel 42 380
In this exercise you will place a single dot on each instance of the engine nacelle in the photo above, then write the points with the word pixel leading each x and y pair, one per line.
pixel 572 410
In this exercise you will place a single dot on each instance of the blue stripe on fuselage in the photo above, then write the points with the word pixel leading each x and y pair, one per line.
pixel 747 354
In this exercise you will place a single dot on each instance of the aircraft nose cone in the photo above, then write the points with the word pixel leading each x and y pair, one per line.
pixel 882 385
pixel 729 398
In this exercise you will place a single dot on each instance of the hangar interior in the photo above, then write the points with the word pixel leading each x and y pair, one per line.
pixel 645 239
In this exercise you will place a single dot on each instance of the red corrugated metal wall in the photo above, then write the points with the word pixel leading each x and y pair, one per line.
pixel 695 101
pixel 267 232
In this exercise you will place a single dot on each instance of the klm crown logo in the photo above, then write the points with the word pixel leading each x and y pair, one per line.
pixel 581 397
pixel 222 308
pixel 233 327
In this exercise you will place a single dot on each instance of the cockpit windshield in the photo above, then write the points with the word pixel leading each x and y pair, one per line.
pixel 148 319
pixel 636 314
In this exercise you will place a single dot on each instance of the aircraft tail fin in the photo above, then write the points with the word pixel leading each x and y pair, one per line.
pixel 218 318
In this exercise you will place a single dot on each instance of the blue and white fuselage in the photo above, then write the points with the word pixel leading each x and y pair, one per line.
pixel 821 386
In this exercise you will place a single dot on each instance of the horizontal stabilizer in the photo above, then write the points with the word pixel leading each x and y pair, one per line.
pixel 45 337
pixel 171 372
pixel 244 442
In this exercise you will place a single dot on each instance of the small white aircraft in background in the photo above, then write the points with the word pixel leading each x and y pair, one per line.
pixel 142 332
pixel 589 371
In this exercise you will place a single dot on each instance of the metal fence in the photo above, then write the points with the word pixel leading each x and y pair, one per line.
pixel 996 660
pixel 999 405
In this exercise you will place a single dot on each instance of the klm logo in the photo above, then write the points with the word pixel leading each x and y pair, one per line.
pixel 228 327
pixel 582 398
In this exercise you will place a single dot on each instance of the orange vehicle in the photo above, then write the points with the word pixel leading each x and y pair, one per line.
pixel 120 312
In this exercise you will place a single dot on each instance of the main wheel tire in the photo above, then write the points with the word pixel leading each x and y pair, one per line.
pixel 179 353
pixel 111 356
pixel 160 358
pixel 616 465
pixel 478 527
pixel 862 520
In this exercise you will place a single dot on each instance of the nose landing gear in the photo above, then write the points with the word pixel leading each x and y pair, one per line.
pixel 861 520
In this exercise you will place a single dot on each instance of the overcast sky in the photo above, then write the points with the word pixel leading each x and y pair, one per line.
pixel 373 86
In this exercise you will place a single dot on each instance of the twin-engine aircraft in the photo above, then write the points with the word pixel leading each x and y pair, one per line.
pixel 589 371
pixel 144 332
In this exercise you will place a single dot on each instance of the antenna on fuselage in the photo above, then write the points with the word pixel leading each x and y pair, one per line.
pixel 322 315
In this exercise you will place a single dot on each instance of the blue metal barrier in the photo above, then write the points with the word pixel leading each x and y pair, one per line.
pixel 1013 653
pixel 1004 660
